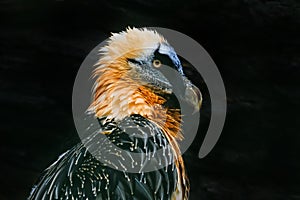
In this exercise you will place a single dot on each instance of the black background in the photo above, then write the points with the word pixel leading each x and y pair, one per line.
pixel 255 44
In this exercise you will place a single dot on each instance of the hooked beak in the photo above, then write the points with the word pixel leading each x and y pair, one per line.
pixel 193 97
pixel 183 88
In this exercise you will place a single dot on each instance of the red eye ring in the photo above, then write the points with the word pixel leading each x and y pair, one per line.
pixel 156 63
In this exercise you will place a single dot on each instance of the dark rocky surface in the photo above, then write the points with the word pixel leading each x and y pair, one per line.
pixel 255 44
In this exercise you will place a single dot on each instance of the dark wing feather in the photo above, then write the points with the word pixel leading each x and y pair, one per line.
pixel 84 171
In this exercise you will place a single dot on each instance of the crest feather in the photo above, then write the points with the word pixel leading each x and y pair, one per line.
pixel 130 43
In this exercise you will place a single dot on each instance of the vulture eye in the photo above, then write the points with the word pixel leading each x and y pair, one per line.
pixel 156 63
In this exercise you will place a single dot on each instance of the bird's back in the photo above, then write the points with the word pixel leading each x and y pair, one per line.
pixel 98 167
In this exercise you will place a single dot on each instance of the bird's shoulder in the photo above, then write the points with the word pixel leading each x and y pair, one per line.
pixel 112 166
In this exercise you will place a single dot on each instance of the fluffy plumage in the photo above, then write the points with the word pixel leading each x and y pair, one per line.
pixel 130 93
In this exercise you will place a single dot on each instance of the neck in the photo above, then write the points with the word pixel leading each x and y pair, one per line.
pixel 124 97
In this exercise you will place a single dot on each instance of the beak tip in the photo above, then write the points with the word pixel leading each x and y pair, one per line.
pixel 194 97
